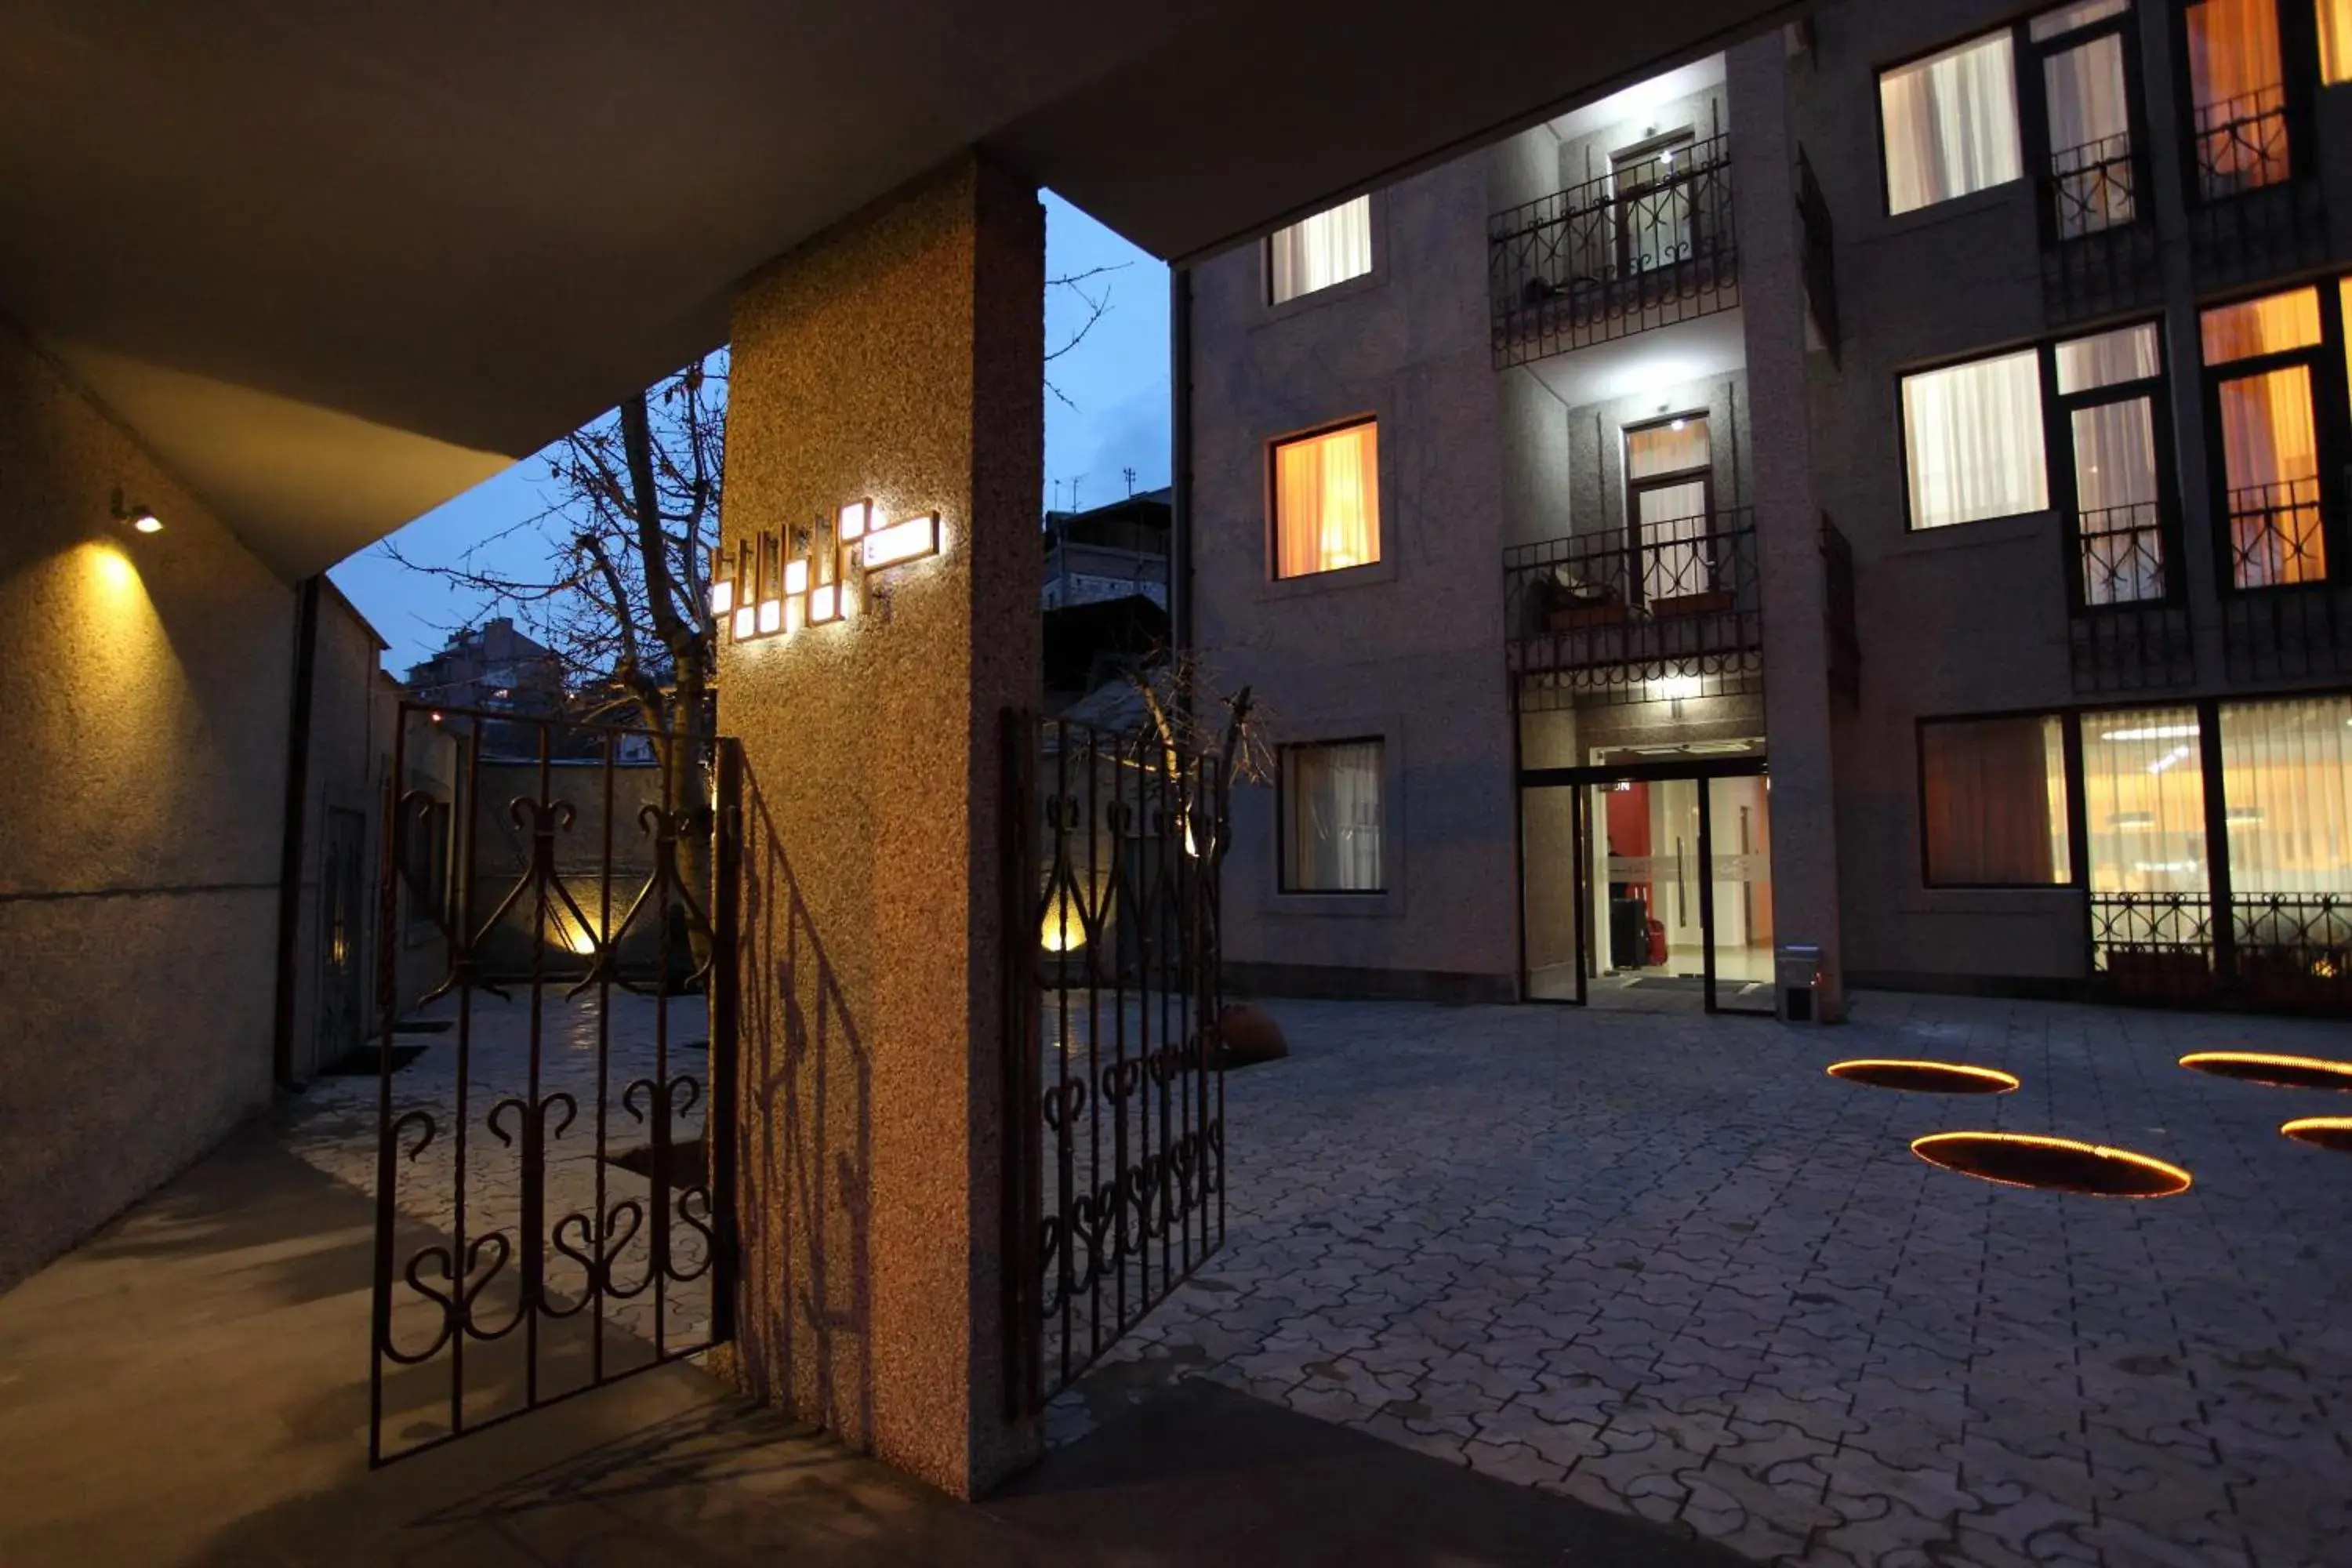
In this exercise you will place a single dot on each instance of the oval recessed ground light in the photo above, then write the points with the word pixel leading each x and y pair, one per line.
pixel 2051 1164
pixel 2321 1132
pixel 1924 1078
pixel 2279 1072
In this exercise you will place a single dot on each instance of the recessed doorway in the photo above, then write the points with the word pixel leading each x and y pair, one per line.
pixel 1650 877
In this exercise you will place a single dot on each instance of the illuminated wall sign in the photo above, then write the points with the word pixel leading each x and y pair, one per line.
pixel 759 594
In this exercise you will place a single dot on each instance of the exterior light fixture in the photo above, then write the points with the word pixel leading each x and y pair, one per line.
pixel 903 542
pixel 141 519
pixel 2269 1067
pixel 855 517
pixel 722 582
pixel 2061 1164
pixel 1924 1077
pixel 823 603
pixel 747 622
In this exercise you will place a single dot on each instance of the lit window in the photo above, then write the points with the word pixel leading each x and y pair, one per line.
pixel 1950 123
pixel 1327 507
pixel 2110 425
pixel 1317 252
pixel 1331 818
pixel 2086 98
pixel 2335 41
pixel 1973 440
pixel 2270 438
pixel 2286 783
pixel 1994 796
pixel 2238 95
pixel 2144 801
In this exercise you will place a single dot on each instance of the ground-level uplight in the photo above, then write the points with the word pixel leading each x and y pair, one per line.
pixel 2051 1164
pixel 2266 1068
pixel 1922 1077
pixel 2321 1132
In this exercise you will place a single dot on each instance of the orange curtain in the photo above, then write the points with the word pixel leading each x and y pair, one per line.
pixel 2233 49
pixel 1326 504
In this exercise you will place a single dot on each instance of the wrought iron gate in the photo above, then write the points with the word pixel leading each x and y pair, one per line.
pixel 549 1215
pixel 1116 1087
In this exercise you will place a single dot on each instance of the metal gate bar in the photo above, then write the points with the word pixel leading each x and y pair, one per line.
pixel 1115 1082
pixel 508 916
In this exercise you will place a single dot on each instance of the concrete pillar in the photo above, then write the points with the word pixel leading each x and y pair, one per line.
pixel 1797 701
pixel 899 357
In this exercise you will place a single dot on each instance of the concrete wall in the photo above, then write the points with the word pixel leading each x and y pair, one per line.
pixel 1409 649
pixel 900 357
pixel 140 819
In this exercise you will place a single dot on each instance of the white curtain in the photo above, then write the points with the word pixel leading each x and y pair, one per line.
pixel 2144 801
pixel 1327 505
pixel 1973 440
pixel 2090 129
pixel 1317 252
pixel 2286 781
pixel 1951 124
pixel 2115 501
pixel 1335 819
pixel 2127 353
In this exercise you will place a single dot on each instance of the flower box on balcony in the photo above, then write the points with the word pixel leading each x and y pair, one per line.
pixel 1718 602
pixel 1577 617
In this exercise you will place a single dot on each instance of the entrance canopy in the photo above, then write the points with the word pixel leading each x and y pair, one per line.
pixel 336 263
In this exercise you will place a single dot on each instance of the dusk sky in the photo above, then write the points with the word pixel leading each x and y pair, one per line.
pixel 1118 379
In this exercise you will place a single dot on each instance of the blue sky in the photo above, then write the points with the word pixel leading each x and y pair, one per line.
pixel 1118 379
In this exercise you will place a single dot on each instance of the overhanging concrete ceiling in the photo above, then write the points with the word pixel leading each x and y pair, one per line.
pixel 338 261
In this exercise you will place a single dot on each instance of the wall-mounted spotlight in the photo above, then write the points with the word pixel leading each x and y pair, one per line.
pixel 141 519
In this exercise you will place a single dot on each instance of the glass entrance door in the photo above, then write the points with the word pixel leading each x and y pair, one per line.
pixel 1650 883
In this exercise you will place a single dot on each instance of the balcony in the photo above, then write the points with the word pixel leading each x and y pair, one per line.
pixel 2257 211
pixel 2099 251
pixel 2283 618
pixel 2129 632
pixel 1676 604
pixel 1610 257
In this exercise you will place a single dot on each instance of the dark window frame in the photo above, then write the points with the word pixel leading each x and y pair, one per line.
pixel 1285 804
pixel 1273 480
pixel 2033 111
pixel 2331 416
pixel 2070 753
pixel 2058 441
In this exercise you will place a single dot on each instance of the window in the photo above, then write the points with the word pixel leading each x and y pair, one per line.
pixel 2109 393
pixel 2237 91
pixel 2144 801
pixel 2086 96
pixel 1973 440
pixel 1993 798
pixel 1327 501
pixel 2286 785
pixel 1668 481
pixel 1317 252
pixel 2270 435
pixel 2335 41
pixel 1331 817
pixel 1950 123
pixel 1652 207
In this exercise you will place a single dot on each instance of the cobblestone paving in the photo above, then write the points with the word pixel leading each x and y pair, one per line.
pixel 1664 1265
pixel 333 1127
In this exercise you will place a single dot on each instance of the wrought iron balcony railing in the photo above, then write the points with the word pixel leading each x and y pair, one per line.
pixel 2097 257
pixel 2122 552
pixel 2154 947
pixel 2092 187
pixel 1675 597
pixel 2241 144
pixel 2294 949
pixel 1607 259
pixel 2276 535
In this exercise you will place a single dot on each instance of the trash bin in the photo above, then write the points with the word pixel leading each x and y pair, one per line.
pixel 1797 982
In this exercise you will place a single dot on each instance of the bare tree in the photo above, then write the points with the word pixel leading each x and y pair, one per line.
pixel 1190 720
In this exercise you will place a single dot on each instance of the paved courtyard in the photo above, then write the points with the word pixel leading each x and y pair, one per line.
pixel 1662 1265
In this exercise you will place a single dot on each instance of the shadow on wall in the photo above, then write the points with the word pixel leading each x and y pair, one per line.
pixel 805 1182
